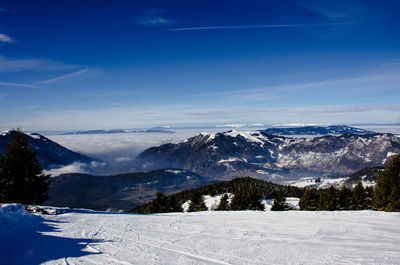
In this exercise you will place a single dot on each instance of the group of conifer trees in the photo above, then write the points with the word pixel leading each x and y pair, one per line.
pixel 331 199
pixel 241 200
pixel 384 197
pixel 247 193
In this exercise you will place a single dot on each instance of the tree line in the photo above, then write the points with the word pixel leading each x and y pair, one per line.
pixel 247 193
pixel 384 197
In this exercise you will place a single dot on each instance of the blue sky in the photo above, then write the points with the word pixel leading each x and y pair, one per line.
pixel 67 65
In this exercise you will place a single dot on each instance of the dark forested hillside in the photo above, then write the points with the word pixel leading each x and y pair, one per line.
pixel 265 189
pixel 50 154
pixel 119 192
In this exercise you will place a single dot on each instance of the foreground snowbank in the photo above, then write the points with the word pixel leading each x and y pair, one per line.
pixel 12 214
pixel 245 237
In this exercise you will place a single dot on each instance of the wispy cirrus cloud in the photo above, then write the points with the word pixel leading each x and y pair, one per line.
pixel 154 17
pixel 65 76
pixel 349 10
pixel 372 83
pixel 19 65
pixel 264 26
pixel 154 20
pixel 48 81
pixel 6 39
pixel 12 84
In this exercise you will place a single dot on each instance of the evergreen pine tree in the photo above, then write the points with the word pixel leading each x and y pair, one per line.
pixel 327 199
pixel 164 204
pixel 239 201
pixel 223 204
pixel 309 200
pixel 369 193
pixel 249 200
pixel 359 196
pixel 197 203
pixel 21 175
pixel 387 190
pixel 254 202
pixel 345 198
pixel 174 205
pixel 159 204
pixel 280 202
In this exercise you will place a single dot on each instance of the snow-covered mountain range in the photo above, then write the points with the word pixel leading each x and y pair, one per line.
pixel 50 154
pixel 316 130
pixel 259 154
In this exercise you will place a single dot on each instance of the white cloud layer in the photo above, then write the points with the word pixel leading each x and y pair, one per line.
pixel 183 114
pixel 73 168
pixel 6 39
pixel 77 167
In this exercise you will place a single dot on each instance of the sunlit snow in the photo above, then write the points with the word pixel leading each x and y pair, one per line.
pixel 210 237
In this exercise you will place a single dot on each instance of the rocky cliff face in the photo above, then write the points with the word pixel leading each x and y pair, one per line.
pixel 258 154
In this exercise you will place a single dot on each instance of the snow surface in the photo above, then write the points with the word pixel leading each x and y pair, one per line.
pixel 255 136
pixel 174 171
pixel 12 213
pixel 241 237
pixel 323 183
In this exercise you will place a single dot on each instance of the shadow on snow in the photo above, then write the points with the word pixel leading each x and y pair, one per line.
pixel 25 243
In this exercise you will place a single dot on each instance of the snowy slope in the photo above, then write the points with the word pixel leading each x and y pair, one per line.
pixel 243 237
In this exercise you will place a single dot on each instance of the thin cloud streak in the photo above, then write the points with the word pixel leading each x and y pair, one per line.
pixel 20 65
pixel 17 84
pixel 48 81
pixel 66 76
pixel 263 26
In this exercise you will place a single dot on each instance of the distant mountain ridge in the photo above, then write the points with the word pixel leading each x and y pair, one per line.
pixel 118 131
pixel 316 130
pixel 231 154
pixel 50 153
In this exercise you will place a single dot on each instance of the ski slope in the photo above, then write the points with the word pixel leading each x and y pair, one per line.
pixel 245 237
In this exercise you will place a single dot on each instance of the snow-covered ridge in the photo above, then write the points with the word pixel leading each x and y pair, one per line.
pixel 269 156
pixel 4 133
pixel 316 130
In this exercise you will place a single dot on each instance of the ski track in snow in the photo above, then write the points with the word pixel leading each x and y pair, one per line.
pixel 243 237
